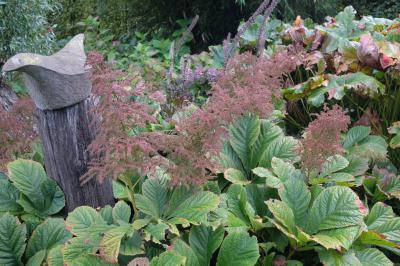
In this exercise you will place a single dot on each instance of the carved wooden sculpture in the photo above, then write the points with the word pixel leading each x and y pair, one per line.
pixel 60 87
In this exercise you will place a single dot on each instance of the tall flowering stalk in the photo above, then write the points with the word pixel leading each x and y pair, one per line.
pixel 322 137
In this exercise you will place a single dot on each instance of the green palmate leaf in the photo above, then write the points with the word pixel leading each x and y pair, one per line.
pixel 80 221
pixel 55 256
pixel 153 199
pixel 204 242
pixel 356 135
pixel 239 249
pixel 345 28
pixel 283 214
pixel 236 176
pixel 297 197
pixel 331 257
pixel 390 229
pixel 37 259
pixel 121 212
pixel 183 249
pixel 379 214
pixel 47 235
pixel 338 238
pixel 372 257
pixel 243 134
pixel 283 148
pixel 195 208
pixel 111 242
pixel 337 87
pixel 12 240
pixel 41 196
pixel 335 207
pixel 8 198
pixel 333 164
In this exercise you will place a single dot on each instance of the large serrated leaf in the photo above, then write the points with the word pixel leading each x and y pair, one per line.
pixel 356 135
pixel 379 214
pixel 111 242
pixel 335 207
pixel 372 257
pixel 8 198
pixel 283 214
pixel 168 258
pixel 12 240
pixel 121 212
pixel 47 235
pixel 270 179
pixel 37 259
pixel 390 229
pixel 229 158
pixel 236 177
pixel 333 164
pixel 41 195
pixel 55 256
pixel 332 257
pixel 282 147
pixel 372 147
pixel 195 208
pixel 338 238
pixel 282 169
pixel 297 196
pixel 268 133
pixel 238 249
pixel 243 134
pixel 205 241
pixel 78 248
pixel 153 199
pixel 82 219
pixel 185 250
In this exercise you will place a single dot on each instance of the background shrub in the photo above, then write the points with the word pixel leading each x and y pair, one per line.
pixel 24 27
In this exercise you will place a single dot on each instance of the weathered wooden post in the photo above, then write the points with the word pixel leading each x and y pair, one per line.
pixel 61 89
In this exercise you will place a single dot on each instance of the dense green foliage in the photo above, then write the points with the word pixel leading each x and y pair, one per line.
pixel 24 27
pixel 217 18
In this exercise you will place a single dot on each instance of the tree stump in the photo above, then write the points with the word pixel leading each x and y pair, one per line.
pixel 66 134
pixel 60 87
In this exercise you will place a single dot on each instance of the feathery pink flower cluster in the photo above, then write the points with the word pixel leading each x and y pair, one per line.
pixel 248 85
pixel 322 137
